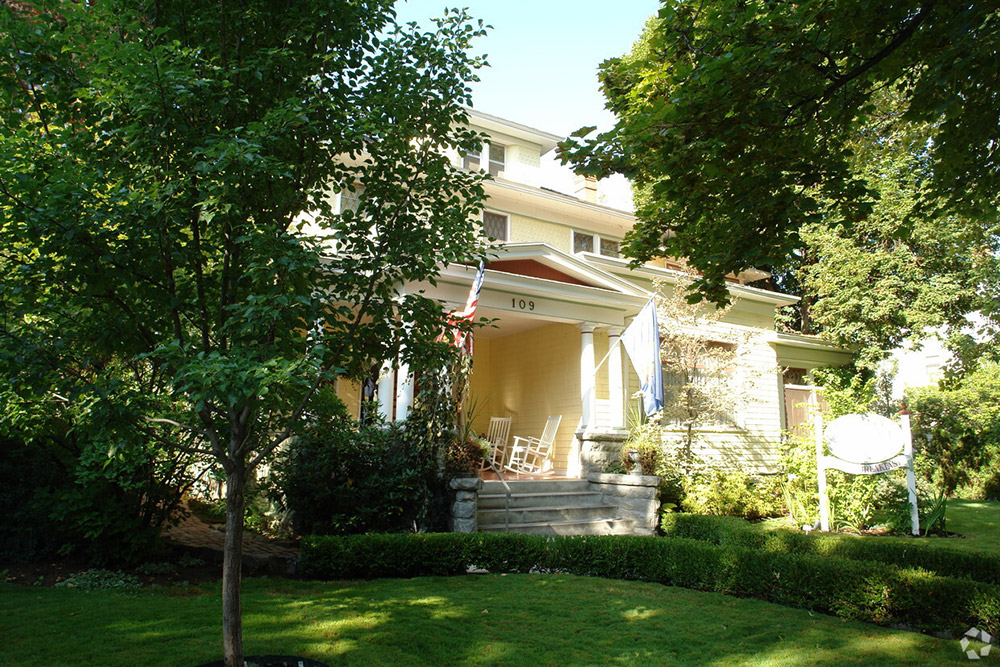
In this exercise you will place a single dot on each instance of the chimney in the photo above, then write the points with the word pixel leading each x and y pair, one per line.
pixel 585 188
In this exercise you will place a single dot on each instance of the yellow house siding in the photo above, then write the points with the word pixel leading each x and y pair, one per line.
pixel 534 374
pixel 524 229
pixel 481 386
pixel 349 392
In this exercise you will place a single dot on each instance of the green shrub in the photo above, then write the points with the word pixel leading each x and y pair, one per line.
pixel 733 493
pixel 67 495
pixel 97 580
pixel 340 477
pixel 730 531
pixel 857 589
pixel 374 556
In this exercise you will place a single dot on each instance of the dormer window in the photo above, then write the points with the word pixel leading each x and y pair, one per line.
pixel 494 156
pixel 587 242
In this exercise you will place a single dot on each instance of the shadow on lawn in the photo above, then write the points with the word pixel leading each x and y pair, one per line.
pixel 508 620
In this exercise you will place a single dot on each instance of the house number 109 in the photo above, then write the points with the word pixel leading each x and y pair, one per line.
pixel 522 304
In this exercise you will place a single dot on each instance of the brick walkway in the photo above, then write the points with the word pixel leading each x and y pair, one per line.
pixel 195 533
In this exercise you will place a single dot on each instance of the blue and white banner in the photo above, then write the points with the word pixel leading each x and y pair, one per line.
pixel 642 342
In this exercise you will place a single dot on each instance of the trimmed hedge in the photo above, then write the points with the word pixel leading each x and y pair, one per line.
pixel 861 590
pixel 901 552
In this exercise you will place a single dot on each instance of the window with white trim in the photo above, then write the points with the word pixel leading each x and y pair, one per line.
pixel 496 225
pixel 587 242
pixel 498 159
pixel 492 157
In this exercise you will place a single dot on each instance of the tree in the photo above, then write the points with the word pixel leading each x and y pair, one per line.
pixel 735 121
pixel 165 200
pixel 895 274
pixel 709 374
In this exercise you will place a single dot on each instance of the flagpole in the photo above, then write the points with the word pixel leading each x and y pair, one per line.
pixel 598 366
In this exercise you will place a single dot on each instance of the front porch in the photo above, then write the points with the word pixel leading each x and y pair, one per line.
pixel 555 318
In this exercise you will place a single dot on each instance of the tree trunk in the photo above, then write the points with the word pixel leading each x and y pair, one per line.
pixel 232 569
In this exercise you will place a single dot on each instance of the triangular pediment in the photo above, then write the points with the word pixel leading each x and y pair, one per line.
pixel 540 260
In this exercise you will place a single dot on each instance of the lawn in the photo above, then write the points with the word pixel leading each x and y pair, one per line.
pixel 476 620
pixel 977 521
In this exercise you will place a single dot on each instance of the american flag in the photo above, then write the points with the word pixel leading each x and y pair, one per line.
pixel 461 339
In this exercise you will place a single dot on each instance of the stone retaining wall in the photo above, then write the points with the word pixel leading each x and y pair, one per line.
pixel 635 496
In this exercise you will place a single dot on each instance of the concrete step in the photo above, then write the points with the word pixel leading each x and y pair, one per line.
pixel 536 486
pixel 526 515
pixel 587 527
pixel 499 500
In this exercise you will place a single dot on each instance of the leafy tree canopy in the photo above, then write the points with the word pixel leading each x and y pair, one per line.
pixel 166 181
pixel 736 121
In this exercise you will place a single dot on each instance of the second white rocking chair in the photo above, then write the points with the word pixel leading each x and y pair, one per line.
pixel 529 454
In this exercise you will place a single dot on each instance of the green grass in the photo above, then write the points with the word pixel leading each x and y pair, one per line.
pixel 475 620
pixel 977 521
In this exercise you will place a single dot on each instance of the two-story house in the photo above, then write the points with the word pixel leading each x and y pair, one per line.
pixel 562 294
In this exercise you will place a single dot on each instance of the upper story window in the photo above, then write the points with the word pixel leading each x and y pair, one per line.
pixel 349 201
pixel 496 225
pixel 586 242
pixel 498 158
pixel 492 157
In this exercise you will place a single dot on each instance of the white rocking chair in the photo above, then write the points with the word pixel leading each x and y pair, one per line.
pixel 497 436
pixel 529 454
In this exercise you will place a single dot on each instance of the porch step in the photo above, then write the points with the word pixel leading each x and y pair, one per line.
pixel 548 507
pixel 489 501
pixel 588 527
pixel 536 486
pixel 526 515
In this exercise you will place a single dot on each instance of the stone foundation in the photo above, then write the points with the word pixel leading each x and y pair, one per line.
pixel 635 496
pixel 465 497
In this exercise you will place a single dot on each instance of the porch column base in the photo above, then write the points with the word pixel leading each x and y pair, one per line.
pixel 599 449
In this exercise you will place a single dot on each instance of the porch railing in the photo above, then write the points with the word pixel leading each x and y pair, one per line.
pixel 506 490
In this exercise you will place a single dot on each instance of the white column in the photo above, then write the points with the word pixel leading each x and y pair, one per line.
pixel 404 392
pixel 616 384
pixel 588 394
pixel 386 390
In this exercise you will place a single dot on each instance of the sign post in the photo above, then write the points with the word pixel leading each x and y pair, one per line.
pixel 864 445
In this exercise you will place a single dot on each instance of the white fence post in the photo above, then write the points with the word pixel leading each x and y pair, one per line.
pixel 824 499
pixel 911 482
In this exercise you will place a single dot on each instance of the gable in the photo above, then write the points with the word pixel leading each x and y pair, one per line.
pixel 535 269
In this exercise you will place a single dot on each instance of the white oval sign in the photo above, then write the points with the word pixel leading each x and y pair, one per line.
pixel 864 438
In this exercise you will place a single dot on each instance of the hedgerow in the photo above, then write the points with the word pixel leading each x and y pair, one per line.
pixel 905 553
pixel 864 590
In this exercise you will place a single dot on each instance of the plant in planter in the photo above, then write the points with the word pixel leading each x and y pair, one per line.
pixel 464 456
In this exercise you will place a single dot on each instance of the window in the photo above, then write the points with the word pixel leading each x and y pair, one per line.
pixel 696 384
pixel 495 225
pixel 609 248
pixel 471 160
pixel 498 156
pixel 584 242
pixel 349 201
pixel 495 157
